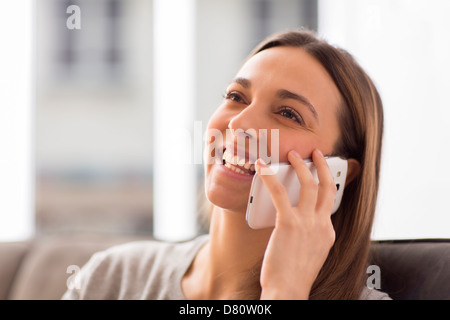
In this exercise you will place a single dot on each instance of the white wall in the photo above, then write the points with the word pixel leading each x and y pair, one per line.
pixel 405 47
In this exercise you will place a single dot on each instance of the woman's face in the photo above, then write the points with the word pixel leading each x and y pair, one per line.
pixel 281 88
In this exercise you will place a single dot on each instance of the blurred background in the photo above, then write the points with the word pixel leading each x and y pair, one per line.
pixel 90 102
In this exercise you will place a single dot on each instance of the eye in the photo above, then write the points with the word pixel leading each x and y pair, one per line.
pixel 291 114
pixel 234 96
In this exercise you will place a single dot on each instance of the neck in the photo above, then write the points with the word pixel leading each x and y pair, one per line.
pixel 234 241
pixel 233 251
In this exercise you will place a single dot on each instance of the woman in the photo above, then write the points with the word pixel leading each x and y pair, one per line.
pixel 321 103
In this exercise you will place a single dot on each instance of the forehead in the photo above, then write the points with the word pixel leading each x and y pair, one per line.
pixel 293 69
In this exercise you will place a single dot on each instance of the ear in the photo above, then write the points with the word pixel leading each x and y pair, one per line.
pixel 354 167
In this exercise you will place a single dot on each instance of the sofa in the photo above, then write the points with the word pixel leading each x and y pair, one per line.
pixel 39 269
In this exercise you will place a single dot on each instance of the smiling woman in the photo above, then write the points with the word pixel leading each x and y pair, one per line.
pixel 320 102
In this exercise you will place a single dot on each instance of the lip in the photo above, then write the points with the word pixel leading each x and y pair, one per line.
pixel 231 174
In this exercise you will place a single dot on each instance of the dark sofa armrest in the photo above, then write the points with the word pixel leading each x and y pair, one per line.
pixel 414 269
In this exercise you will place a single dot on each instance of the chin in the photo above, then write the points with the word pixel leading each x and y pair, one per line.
pixel 230 200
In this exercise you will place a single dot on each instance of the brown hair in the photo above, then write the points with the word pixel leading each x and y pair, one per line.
pixel 361 125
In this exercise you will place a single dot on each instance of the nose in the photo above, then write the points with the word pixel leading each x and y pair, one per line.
pixel 251 129
pixel 243 132
pixel 244 124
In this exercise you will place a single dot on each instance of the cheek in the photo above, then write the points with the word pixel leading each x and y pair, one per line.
pixel 213 122
pixel 303 145
pixel 214 137
pixel 219 120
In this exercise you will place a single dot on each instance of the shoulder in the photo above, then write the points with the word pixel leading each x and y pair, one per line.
pixel 373 294
pixel 124 271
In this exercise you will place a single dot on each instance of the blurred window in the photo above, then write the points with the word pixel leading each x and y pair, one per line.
pixel 94 151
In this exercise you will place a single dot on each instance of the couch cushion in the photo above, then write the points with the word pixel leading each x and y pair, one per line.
pixel 414 269
pixel 11 256
pixel 44 271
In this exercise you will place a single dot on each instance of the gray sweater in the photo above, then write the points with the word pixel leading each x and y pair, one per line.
pixel 146 270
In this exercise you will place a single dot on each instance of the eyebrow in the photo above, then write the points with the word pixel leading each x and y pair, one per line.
pixel 243 82
pixel 285 94
pixel 282 94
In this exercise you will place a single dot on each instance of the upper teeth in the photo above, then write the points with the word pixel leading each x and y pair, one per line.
pixel 235 160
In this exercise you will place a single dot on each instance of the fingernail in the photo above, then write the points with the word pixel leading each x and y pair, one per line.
pixel 261 162
pixel 319 152
pixel 295 153
pixel 262 168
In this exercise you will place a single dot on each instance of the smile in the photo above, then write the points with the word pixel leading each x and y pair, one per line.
pixel 237 164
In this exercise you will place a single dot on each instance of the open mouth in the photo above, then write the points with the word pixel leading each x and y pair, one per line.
pixel 238 164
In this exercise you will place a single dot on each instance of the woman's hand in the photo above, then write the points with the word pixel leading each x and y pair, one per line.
pixel 303 235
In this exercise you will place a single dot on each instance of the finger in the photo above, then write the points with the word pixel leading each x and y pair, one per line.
pixel 327 187
pixel 308 185
pixel 276 189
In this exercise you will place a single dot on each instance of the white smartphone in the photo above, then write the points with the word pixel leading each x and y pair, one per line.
pixel 261 212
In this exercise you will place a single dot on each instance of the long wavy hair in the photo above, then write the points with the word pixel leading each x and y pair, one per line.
pixel 343 274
